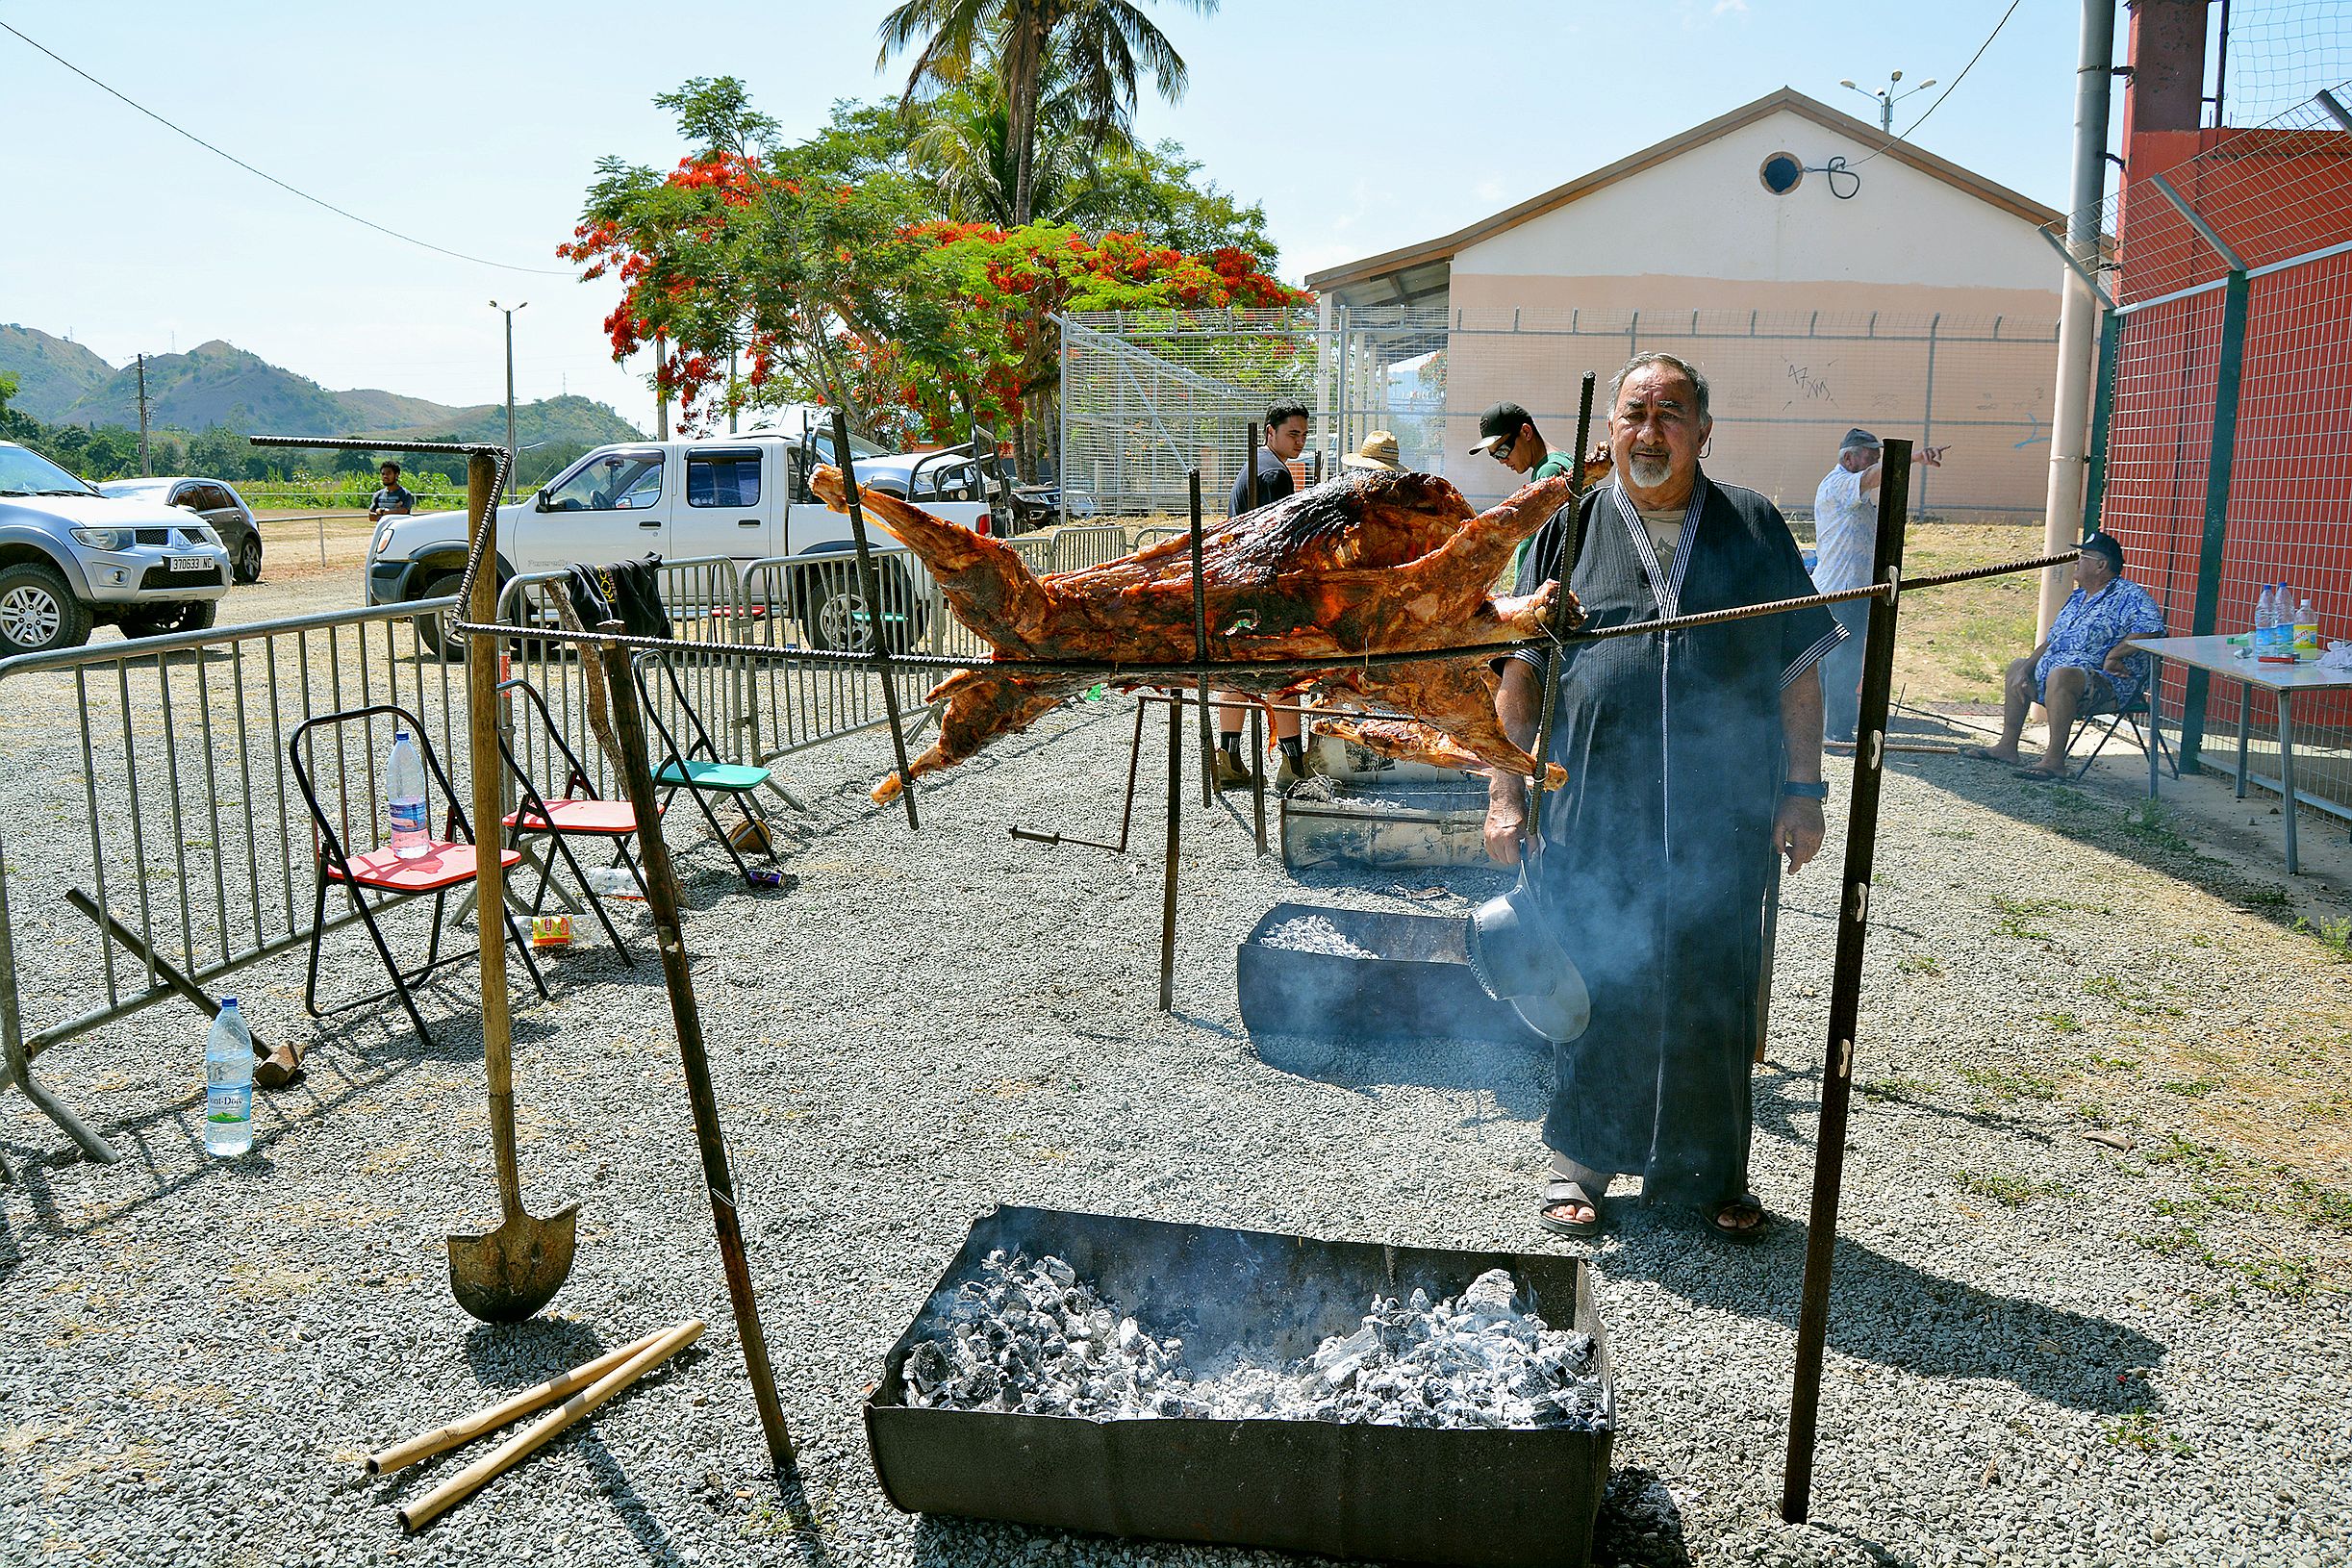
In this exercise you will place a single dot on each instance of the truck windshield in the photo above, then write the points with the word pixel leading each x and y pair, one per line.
pixel 610 481
pixel 859 447
pixel 25 472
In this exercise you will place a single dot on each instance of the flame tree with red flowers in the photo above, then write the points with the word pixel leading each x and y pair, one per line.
pixel 821 266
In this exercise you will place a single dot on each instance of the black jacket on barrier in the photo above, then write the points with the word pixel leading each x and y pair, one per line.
pixel 630 592
pixel 1656 852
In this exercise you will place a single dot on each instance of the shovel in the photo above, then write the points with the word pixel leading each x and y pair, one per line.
pixel 508 1273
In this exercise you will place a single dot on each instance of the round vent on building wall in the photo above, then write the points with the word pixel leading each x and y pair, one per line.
pixel 1781 173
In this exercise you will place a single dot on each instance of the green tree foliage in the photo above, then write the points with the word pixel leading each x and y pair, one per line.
pixel 822 264
pixel 1057 66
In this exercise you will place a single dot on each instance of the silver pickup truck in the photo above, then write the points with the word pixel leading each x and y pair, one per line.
pixel 746 497
pixel 71 559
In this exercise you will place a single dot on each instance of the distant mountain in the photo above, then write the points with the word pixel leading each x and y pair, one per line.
pixel 217 384
pixel 51 373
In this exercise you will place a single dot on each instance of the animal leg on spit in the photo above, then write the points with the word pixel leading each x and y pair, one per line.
pixel 989 585
pixel 1455 703
pixel 979 707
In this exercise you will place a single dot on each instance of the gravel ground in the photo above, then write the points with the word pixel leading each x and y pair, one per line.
pixel 2044 1348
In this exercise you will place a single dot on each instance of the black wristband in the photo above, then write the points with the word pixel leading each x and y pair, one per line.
pixel 1805 792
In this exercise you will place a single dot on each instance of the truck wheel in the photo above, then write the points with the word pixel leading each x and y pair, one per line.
pixel 39 612
pixel 428 627
pixel 834 611
pixel 163 619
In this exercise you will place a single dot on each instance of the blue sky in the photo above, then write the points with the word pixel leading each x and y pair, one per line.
pixel 1362 127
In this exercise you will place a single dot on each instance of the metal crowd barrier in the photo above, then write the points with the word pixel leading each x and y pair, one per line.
pixel 152 777
pixel 1088 545
pixel 1146 537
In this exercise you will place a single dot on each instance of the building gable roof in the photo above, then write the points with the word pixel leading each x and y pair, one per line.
pixel 1442 249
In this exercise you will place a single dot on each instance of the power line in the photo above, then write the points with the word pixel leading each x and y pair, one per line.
pixel 177 130
pixel 1948 90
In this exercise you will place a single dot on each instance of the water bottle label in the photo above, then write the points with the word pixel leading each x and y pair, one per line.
pixel 408 816
pixel 225 1104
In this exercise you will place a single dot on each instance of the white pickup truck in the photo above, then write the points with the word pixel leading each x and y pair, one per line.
pixel 742 497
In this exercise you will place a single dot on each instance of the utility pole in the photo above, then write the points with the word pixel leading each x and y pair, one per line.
pixel 1886 97
pixel 143 470
pixel 661 393
pixel 2078 314
pixel 509 313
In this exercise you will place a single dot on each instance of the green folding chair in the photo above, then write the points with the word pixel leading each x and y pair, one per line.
pixel 700 772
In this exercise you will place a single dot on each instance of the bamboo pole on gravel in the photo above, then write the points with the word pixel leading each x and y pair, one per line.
pixel 415 1516
pixel 490 1417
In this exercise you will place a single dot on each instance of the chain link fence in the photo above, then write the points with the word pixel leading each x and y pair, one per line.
pixel 2227 413
pixel 1146 398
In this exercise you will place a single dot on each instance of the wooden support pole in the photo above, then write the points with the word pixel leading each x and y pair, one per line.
pixel 486 769
pixel 662 901
pixel 1846 984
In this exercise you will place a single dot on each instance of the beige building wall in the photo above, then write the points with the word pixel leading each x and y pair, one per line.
pixel 1914 309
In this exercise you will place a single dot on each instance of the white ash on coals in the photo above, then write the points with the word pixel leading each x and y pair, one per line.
pixel 1031 1337
pixel 1313 933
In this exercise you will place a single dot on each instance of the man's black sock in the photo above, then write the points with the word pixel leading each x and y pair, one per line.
pixel 1230 741
pixel 1294 749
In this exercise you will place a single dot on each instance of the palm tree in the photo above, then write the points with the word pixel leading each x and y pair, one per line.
pixel 961 146
pixel 1100 49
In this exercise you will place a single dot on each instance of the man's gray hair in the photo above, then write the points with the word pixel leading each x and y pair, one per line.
pixel 1672 362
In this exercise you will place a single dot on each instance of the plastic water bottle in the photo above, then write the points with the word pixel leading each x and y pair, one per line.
pixel 228 1083
pixel 404 788
pixel 2266 619
pixel 2306 625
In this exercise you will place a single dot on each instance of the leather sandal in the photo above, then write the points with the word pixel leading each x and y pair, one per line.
pixel 1558 1190
pixel 1748 1235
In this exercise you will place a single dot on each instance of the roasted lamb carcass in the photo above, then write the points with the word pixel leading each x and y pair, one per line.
pixel 1376 563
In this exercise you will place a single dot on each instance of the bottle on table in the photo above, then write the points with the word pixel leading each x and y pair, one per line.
pixel 2266 619
pixel 404 791
pixel 2307 626
pixel 228 1083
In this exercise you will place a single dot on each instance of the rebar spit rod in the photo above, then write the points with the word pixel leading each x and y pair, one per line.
pixel 870 587
pixel 1846 984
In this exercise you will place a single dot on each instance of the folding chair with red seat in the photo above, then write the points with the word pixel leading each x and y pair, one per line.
pixel 448 862
pixel 579 812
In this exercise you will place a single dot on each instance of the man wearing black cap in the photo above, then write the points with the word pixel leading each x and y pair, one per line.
pixel 2086 666
pixel 1846 535
pixel 1507 435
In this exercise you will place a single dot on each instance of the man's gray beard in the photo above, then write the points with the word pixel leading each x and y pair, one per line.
pixel 1650 472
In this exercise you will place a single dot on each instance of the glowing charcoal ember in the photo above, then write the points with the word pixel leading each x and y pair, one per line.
pixel 1029 1336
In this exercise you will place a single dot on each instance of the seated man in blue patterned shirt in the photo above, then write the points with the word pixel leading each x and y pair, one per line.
pixel 2084 667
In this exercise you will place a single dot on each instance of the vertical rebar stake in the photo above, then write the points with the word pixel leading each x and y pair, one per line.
pixel 1199 653
pixel 1846 984
pixel 710 1137
pixel 870 589
pixel 1257 776
pixel 1559 651
pixel 1167 882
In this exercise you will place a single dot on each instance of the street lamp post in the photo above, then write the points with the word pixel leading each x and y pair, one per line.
pixel 508 312
pixel 1886 97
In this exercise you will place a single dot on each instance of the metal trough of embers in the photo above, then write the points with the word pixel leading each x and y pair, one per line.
pixel 1415 986
pixel 1391 1493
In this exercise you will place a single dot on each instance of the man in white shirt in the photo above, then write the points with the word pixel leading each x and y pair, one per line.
pixel 1846 535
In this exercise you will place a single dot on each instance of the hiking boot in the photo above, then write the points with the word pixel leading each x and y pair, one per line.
pixel 1291 774
pixel 1230 773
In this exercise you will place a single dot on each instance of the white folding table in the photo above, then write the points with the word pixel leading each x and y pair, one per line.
pixel 2285 682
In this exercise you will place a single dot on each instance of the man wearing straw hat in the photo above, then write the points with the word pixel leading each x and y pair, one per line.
pixel 1377 455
